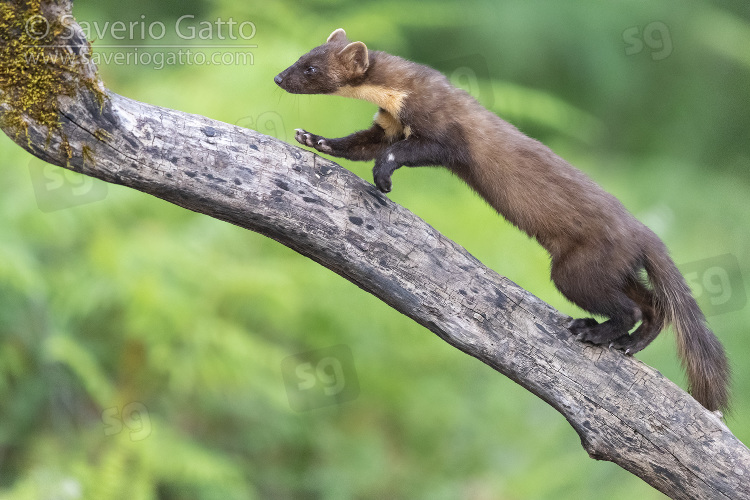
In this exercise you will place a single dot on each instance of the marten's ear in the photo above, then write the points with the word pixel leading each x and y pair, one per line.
pixel 338 36
pixel 355 57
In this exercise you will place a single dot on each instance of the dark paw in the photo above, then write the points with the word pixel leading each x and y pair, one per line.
pixel 590 335
pixel 382 180
pixel 314 141
pixel 629 344
pixel 581 323
pixel 588 330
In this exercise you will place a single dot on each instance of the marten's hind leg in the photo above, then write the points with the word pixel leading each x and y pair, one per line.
pixel 598 293
pixel 623 316
pixel 651 323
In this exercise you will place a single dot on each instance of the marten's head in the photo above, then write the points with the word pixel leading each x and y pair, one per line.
pixel 327 68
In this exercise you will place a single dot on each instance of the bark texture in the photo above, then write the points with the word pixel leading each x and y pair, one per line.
pixel 623 410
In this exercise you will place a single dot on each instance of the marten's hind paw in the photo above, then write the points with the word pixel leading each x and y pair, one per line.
pixel 629 344
pixel 578 324
pixel 588 330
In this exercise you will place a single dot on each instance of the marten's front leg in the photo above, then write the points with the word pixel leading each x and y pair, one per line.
pixel 359 146
pixel 410 152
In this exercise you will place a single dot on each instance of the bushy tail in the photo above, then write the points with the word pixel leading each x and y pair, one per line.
pixel 700 351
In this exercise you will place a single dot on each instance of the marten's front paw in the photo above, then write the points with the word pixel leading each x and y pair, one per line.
pixel 382 179
pixel 384 167
pixel 305 138
pixel 314 141
pixel 383 183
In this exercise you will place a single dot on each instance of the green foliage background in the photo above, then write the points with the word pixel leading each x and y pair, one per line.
pixel 131 303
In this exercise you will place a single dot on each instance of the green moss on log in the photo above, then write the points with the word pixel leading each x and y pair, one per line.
pixel 37 67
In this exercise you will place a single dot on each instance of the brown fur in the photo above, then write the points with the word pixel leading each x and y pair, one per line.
pixel 598 249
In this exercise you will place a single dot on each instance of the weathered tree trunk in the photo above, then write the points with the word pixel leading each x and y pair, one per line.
pixel 623 410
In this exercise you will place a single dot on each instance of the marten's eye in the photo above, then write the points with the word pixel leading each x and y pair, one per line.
pixel 311 70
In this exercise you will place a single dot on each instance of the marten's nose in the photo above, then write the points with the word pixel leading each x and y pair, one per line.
pixel 278 79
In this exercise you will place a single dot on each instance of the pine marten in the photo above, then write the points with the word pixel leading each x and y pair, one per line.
pixel 598 249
